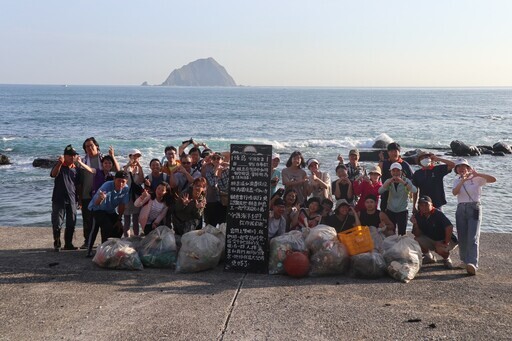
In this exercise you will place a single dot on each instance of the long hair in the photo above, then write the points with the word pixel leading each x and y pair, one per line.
pixel 167 199
pixel 290 190
pixel 295 153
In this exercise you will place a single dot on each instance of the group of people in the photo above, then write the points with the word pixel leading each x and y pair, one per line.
pixel 184 190
pixel 189 188
pixel 308 198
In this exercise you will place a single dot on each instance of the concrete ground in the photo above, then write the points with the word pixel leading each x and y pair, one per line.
pixel 48 296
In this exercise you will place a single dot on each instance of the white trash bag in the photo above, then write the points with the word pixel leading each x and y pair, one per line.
pixel 200 250
pixel 403 257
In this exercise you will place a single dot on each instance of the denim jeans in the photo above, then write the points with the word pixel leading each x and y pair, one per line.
pixel 59 213
pixel 468 218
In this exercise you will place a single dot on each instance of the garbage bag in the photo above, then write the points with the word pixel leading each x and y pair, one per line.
pixel 403 257
pixel 280 245
pixel 158 248
pixel 318 235
pixel 331 259
pixel 368 265
pixel 200 250
pixel 220 233
pixel 117 254
pixel 378 237
pixel 134 240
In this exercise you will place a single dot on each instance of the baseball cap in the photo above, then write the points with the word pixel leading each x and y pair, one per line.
pixel 396 165
pixel 311 161
pixel 69 150
pixel 424 199
pixel 135 152
pixel 353 152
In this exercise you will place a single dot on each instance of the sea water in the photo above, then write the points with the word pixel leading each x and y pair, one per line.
pixel 39 121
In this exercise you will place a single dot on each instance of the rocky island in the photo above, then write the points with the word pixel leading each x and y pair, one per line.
pixel 202 72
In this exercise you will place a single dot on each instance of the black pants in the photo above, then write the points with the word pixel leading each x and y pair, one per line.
pixel 87 219
pixel 106 222
pixel 215 213
pixel 399 219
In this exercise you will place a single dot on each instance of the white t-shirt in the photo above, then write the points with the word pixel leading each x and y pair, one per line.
pixel 471 190
pixel 156 208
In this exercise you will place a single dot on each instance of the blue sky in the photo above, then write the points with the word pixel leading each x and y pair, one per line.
pixel 274 43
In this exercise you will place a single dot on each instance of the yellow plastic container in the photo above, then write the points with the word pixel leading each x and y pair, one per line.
pixel 357 240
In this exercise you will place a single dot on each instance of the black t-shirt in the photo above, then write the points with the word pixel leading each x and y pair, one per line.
pixel 434 225
pixel 369 220
pixel 343 191
pixel 339 225
pixel 64 191
pixel 430 182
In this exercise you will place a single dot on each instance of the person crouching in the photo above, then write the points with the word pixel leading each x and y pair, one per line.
pixel 433 231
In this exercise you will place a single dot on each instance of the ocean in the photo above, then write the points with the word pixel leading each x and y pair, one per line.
pixel 40 120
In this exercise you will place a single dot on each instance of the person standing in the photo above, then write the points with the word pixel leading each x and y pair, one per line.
pixel 393 156
pixel 429 179
pixel 92 158
pixel 295 177
pixel 467 186
pixel 135 179
pixel 398 188
pixel 64 198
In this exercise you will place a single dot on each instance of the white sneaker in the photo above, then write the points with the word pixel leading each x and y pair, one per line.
pixel 428 258
pixel 448 263
pixel 471 269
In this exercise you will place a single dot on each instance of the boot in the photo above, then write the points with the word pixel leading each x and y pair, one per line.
pixel 56 240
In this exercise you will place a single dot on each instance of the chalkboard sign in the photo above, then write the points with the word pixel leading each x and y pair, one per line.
pixel 247 218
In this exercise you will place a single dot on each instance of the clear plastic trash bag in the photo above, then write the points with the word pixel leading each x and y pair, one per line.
pixel 117 254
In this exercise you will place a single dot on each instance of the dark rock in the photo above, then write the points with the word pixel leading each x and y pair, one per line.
pixel 411 156
pixel 484 148
pixel 380 144
pixel 459 148
pixel 144 84
pixel 382 141
pixel 4 160
pixel 502 147
pixel 202 72
pixel 487 151
pixel 44 163
pixel 498 153
pixel 372 155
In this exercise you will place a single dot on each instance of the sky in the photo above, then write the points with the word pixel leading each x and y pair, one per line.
pixel 356 43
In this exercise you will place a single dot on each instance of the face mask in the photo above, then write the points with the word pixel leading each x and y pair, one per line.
pixel 425 162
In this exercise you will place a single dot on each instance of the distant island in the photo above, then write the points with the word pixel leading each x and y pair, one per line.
pixel 202 72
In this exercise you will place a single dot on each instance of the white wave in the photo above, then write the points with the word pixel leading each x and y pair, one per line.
pixel 495 117
pixel 6 149
pixel 10 138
